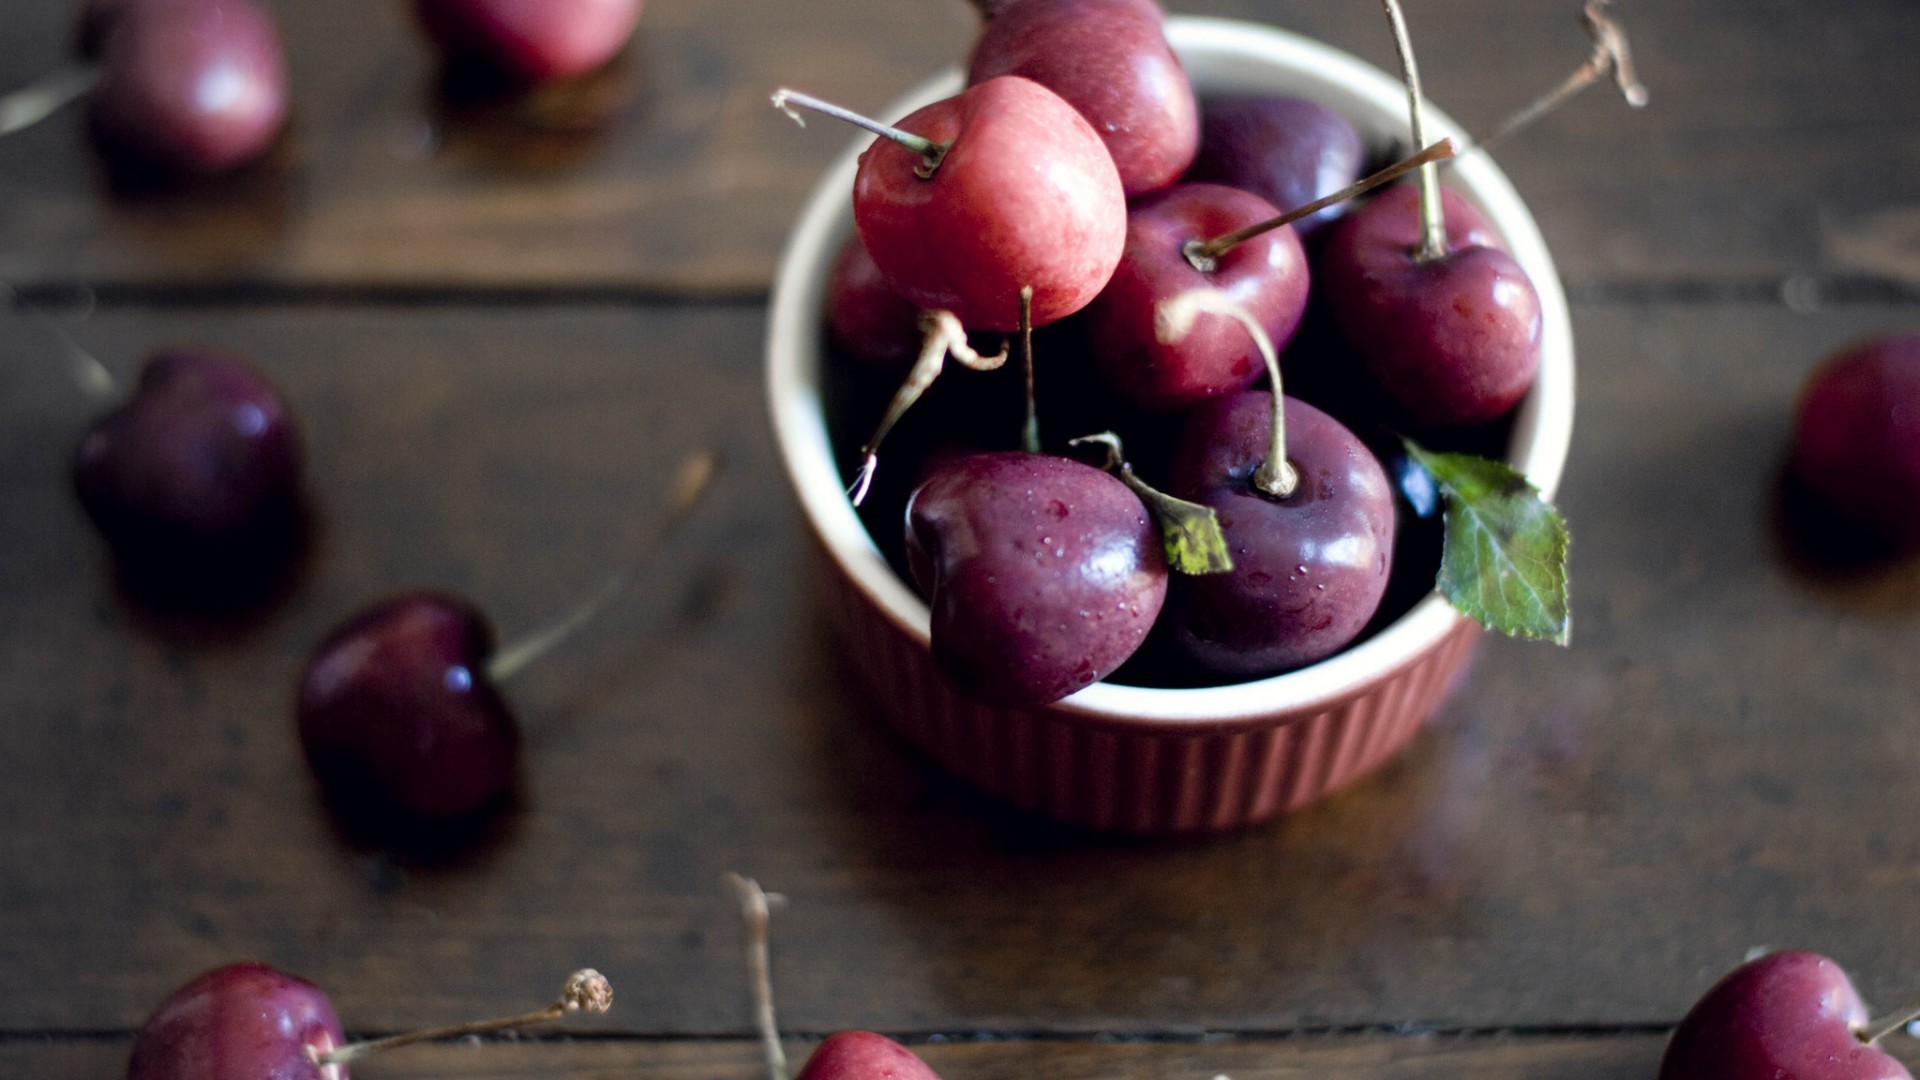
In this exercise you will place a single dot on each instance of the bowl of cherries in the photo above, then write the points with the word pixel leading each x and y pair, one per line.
pixel 1269 597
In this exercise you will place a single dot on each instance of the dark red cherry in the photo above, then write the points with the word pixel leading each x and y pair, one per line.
pixel 1266 275
pixel 531 40
pixel 239 1022
pixel 1452 341
pixel 1786 1014
pixel 866 316
pixel 1856 437
pixel 200 464
pixel 1309 568
pixel 1026 195
pixel 1287 150
pixel 396 709
pixel 1110 60
pixel 862 1055
pixel 190 88
pixel 1044 574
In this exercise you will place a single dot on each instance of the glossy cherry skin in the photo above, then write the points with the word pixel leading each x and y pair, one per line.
pixel 203 460
pixel 1266 275
pixel 239 1022
pixel 1110 60
pixel 862 1055
pixel 1044 574
pixel 1451 342
pixel 866 316
pixel 1309 569
pixel 1027 195
pixel 190 88
pixel 396 709
pixel 1856 437
pixel 531 41
pixel 1287 150
pixel 1787 1014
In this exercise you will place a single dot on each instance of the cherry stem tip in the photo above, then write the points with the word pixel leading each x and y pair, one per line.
pixel 756 906
pixel 931 153
pixel 585 990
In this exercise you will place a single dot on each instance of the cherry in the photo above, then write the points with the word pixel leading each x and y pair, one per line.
pixel 1449 333
pixel 1308 517
pixel 201 464
pixel 248 1021
pixel 531 41
pixel 1286 150
pixel 863 1055
pixel 1786 1014
pixel 1450 341
pixel 1110 60
pixel 845 1055
pixel 1856 436
pixel 1267 275
pixel 397 709
pixel 1044 574
pixel 190 88
pixel 243 1020
pixel 976 197
pixel 866 316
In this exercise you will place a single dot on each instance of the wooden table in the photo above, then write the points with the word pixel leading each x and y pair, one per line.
pixel 501 334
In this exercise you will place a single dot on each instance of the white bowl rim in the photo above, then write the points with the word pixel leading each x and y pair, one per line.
pixel 1542 428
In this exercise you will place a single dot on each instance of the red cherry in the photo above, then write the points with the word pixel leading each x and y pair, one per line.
pixel 1110 60
pixel 531 40
pixel 396 709
pixel 199 466
pixel 1450 341
pixel 862 1055
pixel 1044 574
pixel 1787 1014
pixel 1266 275
pixel 1025 195
pixel 190 87
pixel 239 1022
pixel 1856 436
pixel 866 316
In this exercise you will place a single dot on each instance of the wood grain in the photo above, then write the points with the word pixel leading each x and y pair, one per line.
pixel 1334 1057
pixel 1779 144
pixel 1585 837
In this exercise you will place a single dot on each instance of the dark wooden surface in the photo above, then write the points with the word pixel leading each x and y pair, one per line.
pixel 501 340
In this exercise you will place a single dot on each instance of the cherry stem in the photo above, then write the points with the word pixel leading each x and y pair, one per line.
pixel 1203 255
pixel 1030 433
pixel 35 102
pixel 1611 56
pixel 585 990
pixel 756 904
pixel 92 376
pixel 944 336
pixel 690 484
pixel 1433 222
pixel 1173 319
pixel 1886 1025
pixel 931 153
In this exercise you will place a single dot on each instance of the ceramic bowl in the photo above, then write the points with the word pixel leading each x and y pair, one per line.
pixel 1146 759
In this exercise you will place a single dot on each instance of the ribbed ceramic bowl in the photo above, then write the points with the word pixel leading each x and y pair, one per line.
pixel 1131 758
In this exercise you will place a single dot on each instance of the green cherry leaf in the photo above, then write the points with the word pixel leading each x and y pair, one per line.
pixel 1504 560
pixel 1189 532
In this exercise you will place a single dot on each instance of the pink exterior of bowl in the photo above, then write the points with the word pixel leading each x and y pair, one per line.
pixel 1129 758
